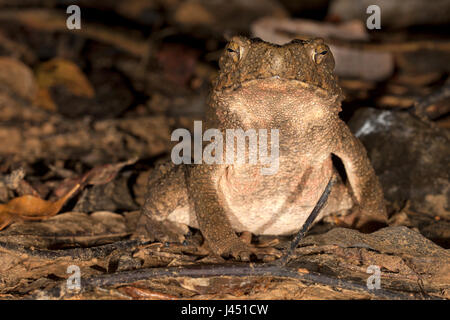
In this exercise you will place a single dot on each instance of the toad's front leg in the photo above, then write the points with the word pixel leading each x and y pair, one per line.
pixel 202 182
pixel 364 183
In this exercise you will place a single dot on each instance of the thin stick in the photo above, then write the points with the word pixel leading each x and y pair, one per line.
pixel 312 216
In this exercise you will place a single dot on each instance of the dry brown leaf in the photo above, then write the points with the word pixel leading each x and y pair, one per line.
pixel 66 73
pixel 98 175
pixel 106 173
pixel 29 208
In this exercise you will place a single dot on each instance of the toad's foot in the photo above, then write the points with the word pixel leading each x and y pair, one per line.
pixel 242 249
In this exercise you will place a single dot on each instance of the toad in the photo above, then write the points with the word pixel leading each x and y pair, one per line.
pixel 291 88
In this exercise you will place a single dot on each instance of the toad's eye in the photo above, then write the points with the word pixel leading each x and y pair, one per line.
pixel 320 56
pixel 234 51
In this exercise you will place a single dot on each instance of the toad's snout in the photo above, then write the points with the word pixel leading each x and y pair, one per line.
pixel 278 63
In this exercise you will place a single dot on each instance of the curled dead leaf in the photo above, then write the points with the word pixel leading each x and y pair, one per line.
pixel 63 73
pixel 29 208
pixel 106 173
pixel 66 73
pixel 96 176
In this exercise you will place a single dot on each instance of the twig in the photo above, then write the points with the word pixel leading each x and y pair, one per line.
pixel 236 270
pixel 312 216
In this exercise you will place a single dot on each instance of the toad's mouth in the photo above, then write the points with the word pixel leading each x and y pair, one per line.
pixel 274 82
pixel 279 86
pixel 274 97
pixel 279 81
